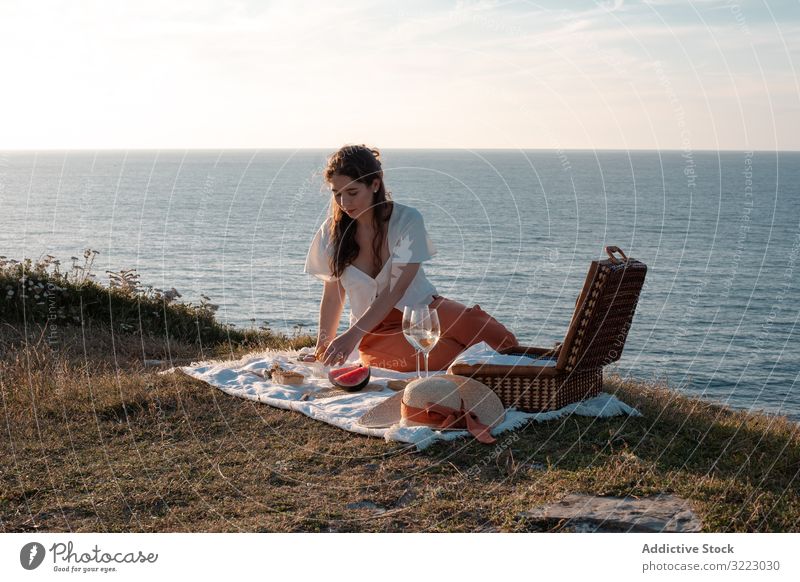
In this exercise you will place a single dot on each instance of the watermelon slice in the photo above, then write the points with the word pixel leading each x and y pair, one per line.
pixel 351 378
pixel 339 371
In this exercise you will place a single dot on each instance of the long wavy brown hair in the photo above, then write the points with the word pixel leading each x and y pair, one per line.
pixel 362 164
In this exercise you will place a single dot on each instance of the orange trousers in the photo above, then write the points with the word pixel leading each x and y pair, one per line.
pixel 462 326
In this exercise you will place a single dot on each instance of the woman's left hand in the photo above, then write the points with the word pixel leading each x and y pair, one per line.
pixel 341 347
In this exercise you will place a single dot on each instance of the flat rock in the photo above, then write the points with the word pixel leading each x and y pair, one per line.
pixel 366 505
pixel 588 513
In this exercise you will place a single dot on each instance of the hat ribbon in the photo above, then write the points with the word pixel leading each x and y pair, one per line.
pixel 440 416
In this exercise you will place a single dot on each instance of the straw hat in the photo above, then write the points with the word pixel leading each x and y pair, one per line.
pixel 444 402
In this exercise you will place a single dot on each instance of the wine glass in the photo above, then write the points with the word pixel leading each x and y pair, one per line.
pixel 407 317
pixel 423 330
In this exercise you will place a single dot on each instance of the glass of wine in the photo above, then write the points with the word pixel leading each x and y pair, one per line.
pixel 407 318
pixel 422 330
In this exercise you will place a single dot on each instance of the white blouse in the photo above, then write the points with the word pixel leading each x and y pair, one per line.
pixel 408 243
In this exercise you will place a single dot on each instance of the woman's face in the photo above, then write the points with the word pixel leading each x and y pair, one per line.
pixel 353 197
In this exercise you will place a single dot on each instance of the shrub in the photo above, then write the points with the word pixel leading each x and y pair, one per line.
pixel 41 293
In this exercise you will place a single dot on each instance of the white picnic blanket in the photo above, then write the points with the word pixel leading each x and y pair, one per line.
pixel 239 378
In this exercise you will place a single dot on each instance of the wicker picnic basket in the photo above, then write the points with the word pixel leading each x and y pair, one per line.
pixel 595 338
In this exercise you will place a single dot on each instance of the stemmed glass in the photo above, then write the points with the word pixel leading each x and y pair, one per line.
pixel 421 329
pixel 407 318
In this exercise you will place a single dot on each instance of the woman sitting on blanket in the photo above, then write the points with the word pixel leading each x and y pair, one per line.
pixel 372 248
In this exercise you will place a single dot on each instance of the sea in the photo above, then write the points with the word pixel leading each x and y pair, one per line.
pixel 515 231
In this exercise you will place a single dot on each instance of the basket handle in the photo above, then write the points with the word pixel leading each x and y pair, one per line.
pixel 610 250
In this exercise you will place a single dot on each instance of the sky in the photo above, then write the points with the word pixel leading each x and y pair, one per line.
pixel 223 74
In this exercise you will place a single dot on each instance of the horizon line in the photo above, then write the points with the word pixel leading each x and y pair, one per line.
pixel 387 148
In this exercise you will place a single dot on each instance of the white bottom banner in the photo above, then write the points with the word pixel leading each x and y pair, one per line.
pixel 390 557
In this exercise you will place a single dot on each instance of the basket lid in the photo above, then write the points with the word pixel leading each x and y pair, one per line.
pixel 603 312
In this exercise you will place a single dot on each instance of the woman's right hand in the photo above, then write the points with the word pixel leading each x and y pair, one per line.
pixel 319 351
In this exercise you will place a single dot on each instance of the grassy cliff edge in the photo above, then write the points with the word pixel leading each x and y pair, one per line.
pixel 94 440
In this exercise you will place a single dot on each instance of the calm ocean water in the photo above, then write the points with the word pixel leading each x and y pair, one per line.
pixel 719 231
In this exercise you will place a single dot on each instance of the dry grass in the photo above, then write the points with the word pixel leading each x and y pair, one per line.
pixel 94 441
